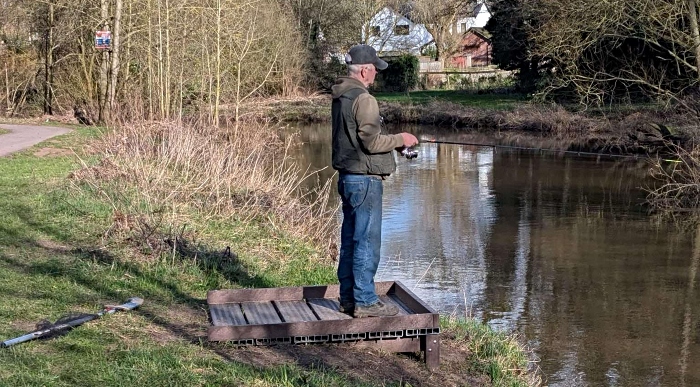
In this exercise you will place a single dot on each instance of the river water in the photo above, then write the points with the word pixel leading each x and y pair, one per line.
pixel 557 248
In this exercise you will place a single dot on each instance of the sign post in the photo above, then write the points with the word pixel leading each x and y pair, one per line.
pixel 103 40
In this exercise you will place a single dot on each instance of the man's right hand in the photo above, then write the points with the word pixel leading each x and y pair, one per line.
pixel 409 140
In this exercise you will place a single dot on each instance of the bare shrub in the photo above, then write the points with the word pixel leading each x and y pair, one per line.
pixel 678 188
pixel 162 173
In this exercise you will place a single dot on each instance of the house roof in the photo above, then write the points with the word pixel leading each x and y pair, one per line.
pixel 481 32
pixel 474 9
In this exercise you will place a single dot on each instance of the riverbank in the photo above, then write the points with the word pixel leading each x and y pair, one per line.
pixel 113 216
pixel 509 120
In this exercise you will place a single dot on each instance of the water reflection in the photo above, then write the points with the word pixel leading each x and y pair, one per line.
pixel 556 248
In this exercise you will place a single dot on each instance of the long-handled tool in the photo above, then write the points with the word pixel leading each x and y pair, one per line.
pixel 71 321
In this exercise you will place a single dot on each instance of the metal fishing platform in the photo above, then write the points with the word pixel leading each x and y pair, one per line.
pixel 309 314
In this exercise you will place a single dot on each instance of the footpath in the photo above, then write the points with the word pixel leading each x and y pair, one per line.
pixel 24 136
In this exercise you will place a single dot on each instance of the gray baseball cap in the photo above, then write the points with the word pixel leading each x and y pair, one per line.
pixel 364 54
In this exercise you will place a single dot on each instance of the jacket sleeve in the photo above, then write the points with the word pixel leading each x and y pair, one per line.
pixel 366 113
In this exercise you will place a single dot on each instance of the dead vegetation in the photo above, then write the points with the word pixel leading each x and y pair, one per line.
pixel 155 175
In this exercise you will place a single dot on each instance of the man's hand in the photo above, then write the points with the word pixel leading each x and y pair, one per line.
pixel 409 140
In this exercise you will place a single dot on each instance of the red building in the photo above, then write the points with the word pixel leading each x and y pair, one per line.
pixel 475 49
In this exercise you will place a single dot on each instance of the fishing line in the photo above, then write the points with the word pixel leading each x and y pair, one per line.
pixel 582 153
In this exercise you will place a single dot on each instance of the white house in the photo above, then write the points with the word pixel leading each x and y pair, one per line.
pixel 478 19
pixel 391 32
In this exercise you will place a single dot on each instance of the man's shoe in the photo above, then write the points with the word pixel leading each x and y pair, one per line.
pixel 378 309
pixel 347 308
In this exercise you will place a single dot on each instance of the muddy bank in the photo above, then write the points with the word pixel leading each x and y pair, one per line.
pixel 620 132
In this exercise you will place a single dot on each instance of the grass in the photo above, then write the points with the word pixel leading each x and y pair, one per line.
pixel 79 233
pixel 486 101
pixel 499 356
pixel 4 131
pixel 52 261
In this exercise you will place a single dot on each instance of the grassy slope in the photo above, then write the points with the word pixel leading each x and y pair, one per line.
pixel 53 261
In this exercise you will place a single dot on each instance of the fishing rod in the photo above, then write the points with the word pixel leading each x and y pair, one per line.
pixel 582 153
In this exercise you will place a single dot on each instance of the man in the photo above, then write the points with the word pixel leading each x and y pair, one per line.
pixel 363 157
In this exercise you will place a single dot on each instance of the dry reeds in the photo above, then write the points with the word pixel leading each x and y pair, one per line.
pixel 164 172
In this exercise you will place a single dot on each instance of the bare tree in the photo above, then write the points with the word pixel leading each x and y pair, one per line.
pixel 440 19
pixel 602 49
pixel 160 63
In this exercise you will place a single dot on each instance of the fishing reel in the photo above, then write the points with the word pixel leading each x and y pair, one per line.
pixel 406 151
pixel 409 153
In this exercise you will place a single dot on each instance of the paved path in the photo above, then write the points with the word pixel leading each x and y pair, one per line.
pixel 24 136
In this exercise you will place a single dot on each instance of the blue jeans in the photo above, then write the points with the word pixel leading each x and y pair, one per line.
pixel 360 237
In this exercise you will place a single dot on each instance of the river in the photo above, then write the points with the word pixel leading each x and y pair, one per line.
pixel 556 248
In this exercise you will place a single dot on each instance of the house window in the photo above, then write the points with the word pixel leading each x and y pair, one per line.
pixel 464 27
pixel 401 30
pixel 374 31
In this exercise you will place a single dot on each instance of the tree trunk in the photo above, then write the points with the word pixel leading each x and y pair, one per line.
pixel 161 83
pixel 693 13
pixel 103 113
pixel 168 78
pixel 7 90
pixel 48 62
pixel 217 90
pixel 114 73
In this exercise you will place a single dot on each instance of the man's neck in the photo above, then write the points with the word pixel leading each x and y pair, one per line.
pixel 359 79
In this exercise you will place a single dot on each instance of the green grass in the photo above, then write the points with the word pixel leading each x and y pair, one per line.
pixel 488 101
pixel 495 354
pixel 55 259
pixel 4 131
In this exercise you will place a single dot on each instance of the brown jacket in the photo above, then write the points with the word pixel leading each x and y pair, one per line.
pixel 358 145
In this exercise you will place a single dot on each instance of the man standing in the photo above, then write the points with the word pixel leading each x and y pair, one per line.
pixel 363 157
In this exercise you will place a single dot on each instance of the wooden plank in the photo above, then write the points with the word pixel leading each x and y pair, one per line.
pixel 269 294
pixel 411 300
pixel 384 287
pixel 284 294
pixel 327 309
pixel 260 313
pixel 295 311
pixel 311 328
pixel 226 314
pixel 393 300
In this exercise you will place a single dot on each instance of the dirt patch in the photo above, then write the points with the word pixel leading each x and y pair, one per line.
pixel 53 152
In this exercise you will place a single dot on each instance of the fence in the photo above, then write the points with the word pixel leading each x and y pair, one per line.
pixel 431 67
